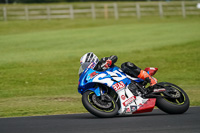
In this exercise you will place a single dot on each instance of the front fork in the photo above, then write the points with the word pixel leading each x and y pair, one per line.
pixel 99 93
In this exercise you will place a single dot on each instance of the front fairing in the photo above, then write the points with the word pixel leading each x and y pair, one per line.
pixel 112 77
pixel 84 80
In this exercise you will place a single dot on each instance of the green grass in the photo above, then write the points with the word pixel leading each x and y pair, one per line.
pixel 39 60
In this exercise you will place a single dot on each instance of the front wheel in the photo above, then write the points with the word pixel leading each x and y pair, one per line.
pixel 176 101
pixel 99 107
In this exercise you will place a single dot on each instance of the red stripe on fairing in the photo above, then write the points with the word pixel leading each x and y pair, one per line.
pixel 147 107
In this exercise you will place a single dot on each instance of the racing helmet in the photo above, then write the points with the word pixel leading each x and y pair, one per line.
pixel 89 57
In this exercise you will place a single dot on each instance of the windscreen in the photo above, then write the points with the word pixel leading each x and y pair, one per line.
pixel 83 67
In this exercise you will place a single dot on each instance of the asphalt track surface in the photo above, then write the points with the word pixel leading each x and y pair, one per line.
pixel 154 122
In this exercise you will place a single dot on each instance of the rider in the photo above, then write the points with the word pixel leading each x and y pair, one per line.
pixel 127 67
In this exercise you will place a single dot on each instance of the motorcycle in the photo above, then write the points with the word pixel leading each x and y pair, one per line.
pixel 113 92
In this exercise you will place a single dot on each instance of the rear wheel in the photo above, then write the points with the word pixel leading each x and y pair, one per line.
pixel 176 101
pixel 99 107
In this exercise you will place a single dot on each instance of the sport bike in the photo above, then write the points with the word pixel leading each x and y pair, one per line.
pixel 113 92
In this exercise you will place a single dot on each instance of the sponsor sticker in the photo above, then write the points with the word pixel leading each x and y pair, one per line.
pixel 128 101
pixel 92 75
pixel 127 110
pixel 123 97
pixel 133 108
pixel 159 90
pixel 118 86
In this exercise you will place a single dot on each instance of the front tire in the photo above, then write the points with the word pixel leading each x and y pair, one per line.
pixel 173 105
pixel 100 108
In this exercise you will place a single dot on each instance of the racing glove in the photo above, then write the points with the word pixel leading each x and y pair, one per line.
pixel 107 64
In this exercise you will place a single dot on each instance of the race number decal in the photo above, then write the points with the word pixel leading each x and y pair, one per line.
pixel 107 78
pixel 101 78
pixel 116 75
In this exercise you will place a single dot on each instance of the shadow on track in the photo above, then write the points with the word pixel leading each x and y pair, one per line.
pixel 155 112
pixel 90 116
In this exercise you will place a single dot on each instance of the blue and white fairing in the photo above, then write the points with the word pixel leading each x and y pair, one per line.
pixel 112 77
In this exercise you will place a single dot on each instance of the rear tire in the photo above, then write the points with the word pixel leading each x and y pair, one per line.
pixel 173 105
pixel 98 107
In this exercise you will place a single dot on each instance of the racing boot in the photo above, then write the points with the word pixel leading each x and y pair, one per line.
pixel 145 76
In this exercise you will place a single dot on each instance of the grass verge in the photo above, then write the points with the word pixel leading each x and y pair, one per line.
pixel 39 60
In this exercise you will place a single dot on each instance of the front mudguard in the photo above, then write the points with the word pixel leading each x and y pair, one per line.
pixel 97 91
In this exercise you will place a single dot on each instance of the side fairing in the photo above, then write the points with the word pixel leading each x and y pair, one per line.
pixel 113 78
